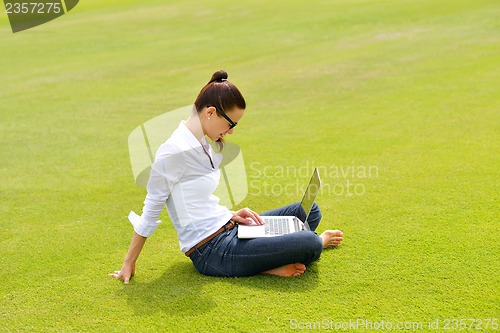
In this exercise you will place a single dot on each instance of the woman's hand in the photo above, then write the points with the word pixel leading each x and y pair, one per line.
pixel 247 216
pixel 127 271
pixel 128 268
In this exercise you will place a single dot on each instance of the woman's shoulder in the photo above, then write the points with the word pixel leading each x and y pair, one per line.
pixel 170 150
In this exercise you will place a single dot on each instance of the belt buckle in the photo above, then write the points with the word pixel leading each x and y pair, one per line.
pixel 229 225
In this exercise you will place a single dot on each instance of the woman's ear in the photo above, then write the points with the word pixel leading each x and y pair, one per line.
pixel 210 111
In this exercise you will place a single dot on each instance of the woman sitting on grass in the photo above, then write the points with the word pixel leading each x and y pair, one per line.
pixel 184 176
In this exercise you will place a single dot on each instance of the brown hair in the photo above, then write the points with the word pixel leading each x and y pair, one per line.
pixel 220 93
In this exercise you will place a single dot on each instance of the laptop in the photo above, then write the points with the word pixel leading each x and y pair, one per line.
pixel 282 225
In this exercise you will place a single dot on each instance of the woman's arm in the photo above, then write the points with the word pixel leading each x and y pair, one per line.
pixel 128 268
pixel 165 171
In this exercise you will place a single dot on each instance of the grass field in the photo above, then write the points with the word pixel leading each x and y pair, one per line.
pixel 406 89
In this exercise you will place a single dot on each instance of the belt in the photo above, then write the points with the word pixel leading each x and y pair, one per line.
pixel 228 226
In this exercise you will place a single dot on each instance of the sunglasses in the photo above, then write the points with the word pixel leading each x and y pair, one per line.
pixel 232 124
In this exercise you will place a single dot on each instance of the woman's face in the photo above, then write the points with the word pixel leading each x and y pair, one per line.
pixel 218 126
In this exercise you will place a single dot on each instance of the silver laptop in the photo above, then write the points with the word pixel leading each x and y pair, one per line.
pixel 282 225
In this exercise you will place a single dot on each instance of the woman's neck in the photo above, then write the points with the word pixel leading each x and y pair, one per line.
pixel 193 124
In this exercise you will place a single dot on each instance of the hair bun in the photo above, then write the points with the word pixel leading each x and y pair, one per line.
pixel 219 76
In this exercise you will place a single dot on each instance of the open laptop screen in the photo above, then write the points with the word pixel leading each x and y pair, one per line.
pixel 311 192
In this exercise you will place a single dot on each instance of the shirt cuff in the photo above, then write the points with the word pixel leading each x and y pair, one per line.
pixel 141 226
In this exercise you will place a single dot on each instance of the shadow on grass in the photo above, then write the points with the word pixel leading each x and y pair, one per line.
pixel 179 291
pixel 182 291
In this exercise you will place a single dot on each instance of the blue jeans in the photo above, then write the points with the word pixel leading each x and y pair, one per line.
pixel 227 255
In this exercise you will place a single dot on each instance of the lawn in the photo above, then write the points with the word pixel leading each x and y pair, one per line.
pixel 396 102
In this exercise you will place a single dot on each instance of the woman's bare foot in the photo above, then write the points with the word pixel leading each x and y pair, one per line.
pixel 332 238
pixel 287 270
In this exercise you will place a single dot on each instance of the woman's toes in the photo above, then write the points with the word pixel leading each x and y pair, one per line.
pixel 299 266
pixel 332 238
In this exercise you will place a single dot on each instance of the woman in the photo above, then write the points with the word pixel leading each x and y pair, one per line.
pixel 184 176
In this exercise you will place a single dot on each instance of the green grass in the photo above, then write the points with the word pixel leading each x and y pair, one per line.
pixel 410 87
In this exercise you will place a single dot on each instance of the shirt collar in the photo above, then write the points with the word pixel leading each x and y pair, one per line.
pixel 201 147
pixel 189 136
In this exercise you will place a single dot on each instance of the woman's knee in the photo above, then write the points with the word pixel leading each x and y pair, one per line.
pixel 316 212
pixel 314 217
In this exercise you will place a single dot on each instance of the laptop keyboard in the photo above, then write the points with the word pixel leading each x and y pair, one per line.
pixel 277 226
